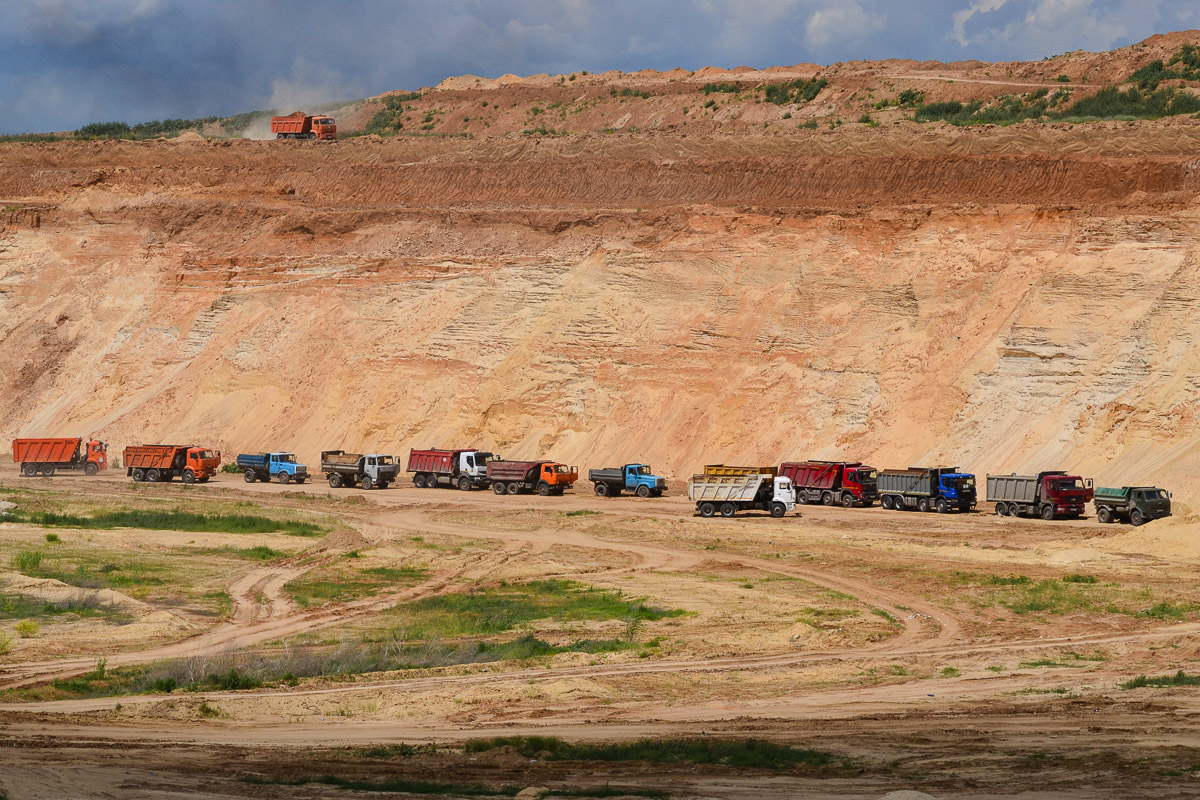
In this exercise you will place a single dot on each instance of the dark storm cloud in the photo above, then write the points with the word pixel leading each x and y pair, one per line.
pixel 64 63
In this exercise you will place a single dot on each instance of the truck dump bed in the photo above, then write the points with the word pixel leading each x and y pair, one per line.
pixel 155 456
pixel 723 469
pixel 906 481
pixel 1113 496
pixel 1012 488
pixel 256 460
pixel 512 470
pixel 719 488
pixel 439 462
pixel 616 475
pixel 46 451
pixel 339 459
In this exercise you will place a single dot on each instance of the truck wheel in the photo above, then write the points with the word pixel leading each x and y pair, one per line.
pixel 91 469
pixel 778 509
pixel 543 489
pixel 1001 510
pixel 29 470
pixel 189 476
pixel 923 505
pixel 335 481
pixel 643 491
pixel 300 481
pixel 498 487
pixel 139 475
pixel 204 479
pixel 47 470
pixel 514 487
pixel 464 484
pixel 601 489
pixel 284 478
pixel 367 483
pixel 419 481
pixel 249 476
pixel 1104 514
pixel 728 509
pixel 153 475
pixel 885 503
pixel 847 501
pixel 899 503
pixel 707 509
pixel 1047 513
pixel 827 498
pixel 1136 518
pixel 942 507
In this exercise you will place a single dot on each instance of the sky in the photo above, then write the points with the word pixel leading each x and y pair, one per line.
pixel 65 63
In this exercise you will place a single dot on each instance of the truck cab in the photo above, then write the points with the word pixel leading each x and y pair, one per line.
pixel 283 467
pixel 958 488
pixel 96 457
pixel 324 127
pixel 558 475
pixel 1068 494
pixel 782 491
pixel 863 483
pixel 381 468
pixel 203 462
pixel 473 463
pixel 641 482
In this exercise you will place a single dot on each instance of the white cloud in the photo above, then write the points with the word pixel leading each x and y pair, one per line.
pixel 841 22
pixel 961 18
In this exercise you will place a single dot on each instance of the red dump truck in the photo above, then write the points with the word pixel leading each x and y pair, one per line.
pixel 850 483
pixel 165 462
pixel 466 469
pixel 299 125
pixel 543 477
pixel 47 456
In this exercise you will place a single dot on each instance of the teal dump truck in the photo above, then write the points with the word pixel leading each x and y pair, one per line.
pixel 1138 504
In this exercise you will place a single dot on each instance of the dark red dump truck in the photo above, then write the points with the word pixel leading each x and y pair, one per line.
pixel 850 483
pixel 49 455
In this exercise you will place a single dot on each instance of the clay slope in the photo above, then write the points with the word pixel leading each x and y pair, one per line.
pixel 1002 298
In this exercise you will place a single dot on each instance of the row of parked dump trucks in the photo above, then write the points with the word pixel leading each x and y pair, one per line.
pixel 719 489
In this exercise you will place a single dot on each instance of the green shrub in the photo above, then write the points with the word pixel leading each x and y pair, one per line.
pixel 5 643
pixel 797 91
pixel 727 88
pixel 27 629
pixel 1180 678
pixel 26 561
pixel 52 538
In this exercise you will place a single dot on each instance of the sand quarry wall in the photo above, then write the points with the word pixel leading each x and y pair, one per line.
pixel 1003 299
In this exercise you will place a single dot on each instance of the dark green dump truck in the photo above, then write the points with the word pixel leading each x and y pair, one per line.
pixel 1138 504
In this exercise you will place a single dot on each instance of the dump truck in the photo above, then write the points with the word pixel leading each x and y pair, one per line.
pixel 47 456
pixel 1138 504
pixel 465 469
pixel 370 471
pixel 729 494
pixel 941 489
pixel 1048 494
pixel 299 125
pixel 725 469
pixel 543 477
pixel 165 462
pixel 850 483
pixel 636 478
pixel 265 466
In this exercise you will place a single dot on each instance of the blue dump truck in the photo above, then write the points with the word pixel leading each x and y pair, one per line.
pixel 634 478
pixel 265 466
pixel 941 489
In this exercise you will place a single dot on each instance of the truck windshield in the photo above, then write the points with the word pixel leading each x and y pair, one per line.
pixel 966 483
pixel 562 469
pixel 204 454
pixel 867 475
pixel 1066 486
pixel 323 121
pixel 386 460
pixel 643 470
pixel 288 458
pixel 1154 494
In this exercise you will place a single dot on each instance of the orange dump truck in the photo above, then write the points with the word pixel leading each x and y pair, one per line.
pixel 543 477
pixel 299 125
pixel 164 462
pixel 47 456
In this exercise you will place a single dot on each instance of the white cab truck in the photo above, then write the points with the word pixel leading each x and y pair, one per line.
pixel 729 494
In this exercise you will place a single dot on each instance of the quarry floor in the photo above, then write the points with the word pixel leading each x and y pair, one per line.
pixel 958 655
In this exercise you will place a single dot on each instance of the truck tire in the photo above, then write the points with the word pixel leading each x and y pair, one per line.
pixel 335 480
pixel 1001 509
pixel 778 509
pixel 47 470
pixel 706 509
pixel 941 506
pixel 300 481
pixel 923 504
pixel 847 501
pixel 1104 514
pixel 728 509
pixel 827 498
pixel 885 503
pixel 1047 512
pixel 419 480
pixel 367 483
pixel 1136 519
pixel 91 469
pixel 189 476
pixel 601 490
pixel 643 491
pixel 153 475
pixel 139 475
pixel 498 487
pixel 285 478
pixel 250 476
pixel 29 470
pixel 514 487
pixel 543 489
pixel 464 484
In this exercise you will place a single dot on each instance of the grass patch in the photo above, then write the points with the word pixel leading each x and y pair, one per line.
pixel 446 788
pixel 797 91
pixel 172 520
pixel 13 606
pixel 583 512
pixel 340 584
pixel 817 617
pixel 1180 678
pixel 753 753
pixel 506 607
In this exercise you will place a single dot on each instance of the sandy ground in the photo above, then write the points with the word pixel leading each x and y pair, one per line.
pixel 1033 731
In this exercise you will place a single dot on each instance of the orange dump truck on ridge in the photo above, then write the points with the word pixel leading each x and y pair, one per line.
pixel 164 462
pixel 299 125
